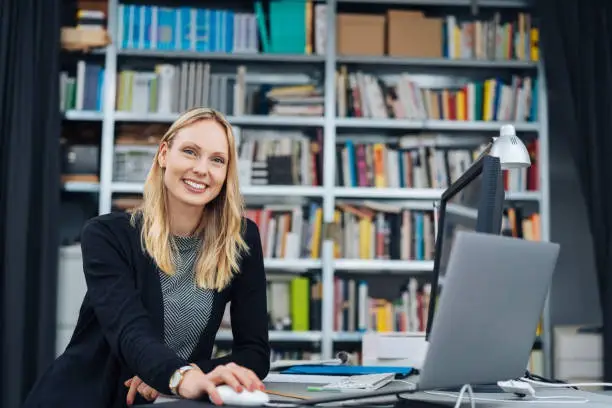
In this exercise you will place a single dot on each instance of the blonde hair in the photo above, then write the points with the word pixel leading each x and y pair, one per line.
pixel 221 223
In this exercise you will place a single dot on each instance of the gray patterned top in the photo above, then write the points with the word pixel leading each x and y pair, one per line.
pixel 187 308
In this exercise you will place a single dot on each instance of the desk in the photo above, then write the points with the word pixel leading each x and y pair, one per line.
pixel 421 399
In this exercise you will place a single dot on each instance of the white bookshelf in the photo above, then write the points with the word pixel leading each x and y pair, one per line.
pixel 329 194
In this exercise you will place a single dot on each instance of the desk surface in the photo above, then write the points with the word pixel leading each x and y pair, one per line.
pixel 488 400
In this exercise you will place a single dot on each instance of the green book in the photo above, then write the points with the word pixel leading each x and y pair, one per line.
pixel 300 304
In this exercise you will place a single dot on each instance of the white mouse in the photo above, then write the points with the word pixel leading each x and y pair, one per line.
pixel 245 398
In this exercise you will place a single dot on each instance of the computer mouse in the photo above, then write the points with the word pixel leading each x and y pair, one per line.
pixel 245 398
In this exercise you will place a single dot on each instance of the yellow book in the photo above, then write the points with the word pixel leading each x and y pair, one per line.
pixel 365 234
pixel 315 243
pixel 487 113
pixel 337 246
pixel 380 178
pixel 534 41
pixel 460 108
pixel 309 24
pixel 457 41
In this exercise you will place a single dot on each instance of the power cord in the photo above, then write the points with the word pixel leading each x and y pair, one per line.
pixel 466 388
pixel 537 377
pixel 542 400
pixel 520 388
pixel 565 385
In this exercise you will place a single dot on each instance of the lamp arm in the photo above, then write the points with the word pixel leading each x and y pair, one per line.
pixel 484 152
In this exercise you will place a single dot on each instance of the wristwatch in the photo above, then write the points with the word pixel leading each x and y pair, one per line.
pixel 177 378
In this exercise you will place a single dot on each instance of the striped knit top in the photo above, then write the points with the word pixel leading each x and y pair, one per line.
pixel 187 308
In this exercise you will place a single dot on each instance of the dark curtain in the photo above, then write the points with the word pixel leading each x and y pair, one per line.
pixel 29 191
pixel 576 45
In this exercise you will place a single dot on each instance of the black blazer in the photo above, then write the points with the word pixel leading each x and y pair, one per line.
pixel 119 332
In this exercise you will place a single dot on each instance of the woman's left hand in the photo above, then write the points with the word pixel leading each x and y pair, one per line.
pixel 137 385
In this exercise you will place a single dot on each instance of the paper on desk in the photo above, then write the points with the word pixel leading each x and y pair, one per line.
pixel 302 378
pixel 282 364
pixel 166 398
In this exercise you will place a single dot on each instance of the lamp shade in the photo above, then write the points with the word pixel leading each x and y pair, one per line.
pixel 510 150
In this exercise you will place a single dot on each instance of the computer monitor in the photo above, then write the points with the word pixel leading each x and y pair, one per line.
pixel 474 202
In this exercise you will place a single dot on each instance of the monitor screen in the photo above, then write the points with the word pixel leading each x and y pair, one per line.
pixel 460 213
pixel 475 203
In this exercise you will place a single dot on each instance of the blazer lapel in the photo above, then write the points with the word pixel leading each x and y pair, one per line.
pixel 152 295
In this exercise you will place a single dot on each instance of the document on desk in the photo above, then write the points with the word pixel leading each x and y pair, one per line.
pixel 302 378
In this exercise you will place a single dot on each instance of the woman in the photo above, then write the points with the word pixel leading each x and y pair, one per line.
pixel 158 280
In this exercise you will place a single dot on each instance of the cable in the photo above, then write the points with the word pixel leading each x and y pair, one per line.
pixel 562 399
pixel 542 400
pixel 468 388
pixel 565 385
pixel 522 388
pixel 537 377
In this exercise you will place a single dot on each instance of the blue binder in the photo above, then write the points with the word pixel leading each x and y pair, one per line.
pixel 346 370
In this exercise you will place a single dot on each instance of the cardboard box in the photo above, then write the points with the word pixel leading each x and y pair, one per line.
pixel 411 34
pixel 360 34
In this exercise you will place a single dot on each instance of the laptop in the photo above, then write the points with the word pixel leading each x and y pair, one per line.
pixel 486 319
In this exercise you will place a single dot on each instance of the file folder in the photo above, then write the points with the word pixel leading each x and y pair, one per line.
pixel 347 370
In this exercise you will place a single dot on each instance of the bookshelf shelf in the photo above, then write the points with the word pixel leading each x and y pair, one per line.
pixel 376 265
pixel 293 121
pixel 279 191
pixel 478 125
pixel 81 187
pixel 388 193
pixel 348 337
pixel 90 116
pixel 243 120
pixel 222 56
pixel 145 117
pixel 126 187
pixel 455 3
pixel 523 196
pixel 293 265
pixel 279 336
pixel 327 132
pixel 457 125
pixel 437 62
pixel 432 194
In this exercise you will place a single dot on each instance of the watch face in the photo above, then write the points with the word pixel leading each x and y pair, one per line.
pixel 174 380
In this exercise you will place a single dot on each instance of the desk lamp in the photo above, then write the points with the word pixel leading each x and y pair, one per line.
pixel 510 150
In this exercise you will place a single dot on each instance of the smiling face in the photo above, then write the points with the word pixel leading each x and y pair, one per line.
pixel 195 163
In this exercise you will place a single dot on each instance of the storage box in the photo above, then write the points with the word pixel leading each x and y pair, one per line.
pixel 578 356
pixel 133 162
pixel 360 34
pixel 411 34
pixel 394 349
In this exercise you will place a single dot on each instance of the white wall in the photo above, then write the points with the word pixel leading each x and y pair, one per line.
pixel 71 289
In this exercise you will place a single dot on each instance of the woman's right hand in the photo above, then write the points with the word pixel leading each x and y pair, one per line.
pixel 196 383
